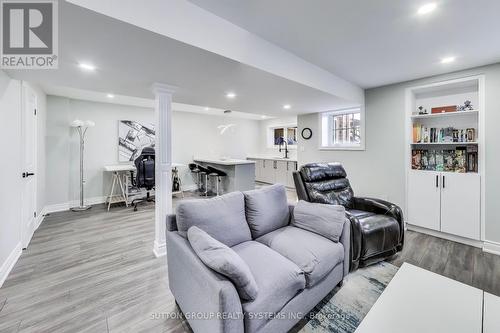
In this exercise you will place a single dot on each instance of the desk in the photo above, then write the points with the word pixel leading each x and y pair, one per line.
pixel 120 178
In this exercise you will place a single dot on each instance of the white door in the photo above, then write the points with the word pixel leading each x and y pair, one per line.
pixel 281 172
pixel 28 171
pixel 460 204
pixel 424 192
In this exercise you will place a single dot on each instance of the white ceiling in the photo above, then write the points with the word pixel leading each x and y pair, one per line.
pixel 373 43
pixel 130 59
pixel 94 96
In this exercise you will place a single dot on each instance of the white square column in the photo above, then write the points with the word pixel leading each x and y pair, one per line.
pixel 163 163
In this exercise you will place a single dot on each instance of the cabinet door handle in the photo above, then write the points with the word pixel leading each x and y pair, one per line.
pixel 287 166
pixel 437 180
pixel 444 184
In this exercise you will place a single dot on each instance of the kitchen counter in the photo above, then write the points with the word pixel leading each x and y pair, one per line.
pixel 240 174
pixel 229 161
pixel 271 158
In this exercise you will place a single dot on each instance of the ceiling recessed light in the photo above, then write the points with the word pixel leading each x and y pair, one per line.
pixel 230 95
pixel 427 8
pixel 287 106
pixel 447 60
pixel 86 67
pixel 207 108
pixel 110 96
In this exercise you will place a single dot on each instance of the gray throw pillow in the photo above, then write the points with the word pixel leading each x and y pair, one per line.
pixel 222 217
pixel 323 219
pixel 266 209
pixel 225 261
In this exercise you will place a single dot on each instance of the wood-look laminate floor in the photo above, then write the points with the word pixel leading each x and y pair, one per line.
pixel 467 264
pixel 95 272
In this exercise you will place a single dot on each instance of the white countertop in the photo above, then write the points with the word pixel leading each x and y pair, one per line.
pixel 271 158
pixel 131 167
pixel 229 161
pixel 119 167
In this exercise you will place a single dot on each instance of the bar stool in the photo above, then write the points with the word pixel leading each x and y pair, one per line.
pixel 203 185
pixel 196 171
pixel 217 175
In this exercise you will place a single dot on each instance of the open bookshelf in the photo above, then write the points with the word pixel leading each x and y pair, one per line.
pixel 444 159
pixel 445 141
pixel 446 114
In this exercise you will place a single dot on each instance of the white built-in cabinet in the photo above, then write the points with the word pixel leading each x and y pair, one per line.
pixel 275 171
pixel 445 201
pixel 461 204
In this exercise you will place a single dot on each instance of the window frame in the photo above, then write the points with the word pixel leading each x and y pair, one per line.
pixel 326 130
pixel 270 137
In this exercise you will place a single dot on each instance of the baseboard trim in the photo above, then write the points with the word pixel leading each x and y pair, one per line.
pixel 160 250
pixel 60 207
pixel 34 226
pixel 491 247
pixel 444 235
pixel 189 188
pixel 40 217
pixel 10 262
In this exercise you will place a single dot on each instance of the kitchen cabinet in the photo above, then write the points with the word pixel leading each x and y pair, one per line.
pixel 268 171
pixel 280 172
pixel 275 171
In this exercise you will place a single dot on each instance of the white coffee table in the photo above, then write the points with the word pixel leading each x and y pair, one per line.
pixel 418 301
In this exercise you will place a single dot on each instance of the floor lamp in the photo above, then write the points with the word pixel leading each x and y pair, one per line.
pixel 81 127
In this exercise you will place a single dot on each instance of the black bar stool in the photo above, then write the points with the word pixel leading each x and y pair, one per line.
pixel 203 186
pixel 217 175
pixel 193 167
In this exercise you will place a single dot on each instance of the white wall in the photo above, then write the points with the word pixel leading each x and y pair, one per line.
pixel 10 175
pixel 380 169
pixel 265 125
pixel 192 135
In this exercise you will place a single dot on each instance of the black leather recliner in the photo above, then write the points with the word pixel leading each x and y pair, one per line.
pixel 377 226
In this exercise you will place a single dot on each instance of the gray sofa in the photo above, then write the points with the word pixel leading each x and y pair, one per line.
pixel 294 268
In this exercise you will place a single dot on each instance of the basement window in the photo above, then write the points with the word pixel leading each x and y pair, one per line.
pixel 283 133
pixel 342 129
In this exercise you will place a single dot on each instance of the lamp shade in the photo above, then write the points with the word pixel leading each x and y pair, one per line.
pixel 76 123
pixel 81 123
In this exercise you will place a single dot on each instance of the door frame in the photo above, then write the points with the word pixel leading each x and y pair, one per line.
pixel 28 230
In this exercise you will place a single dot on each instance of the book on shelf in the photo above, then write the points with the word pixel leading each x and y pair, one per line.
pixel 423 134
pixel 449 157
pixel 461 159
pixel 439 161
pixel 472 162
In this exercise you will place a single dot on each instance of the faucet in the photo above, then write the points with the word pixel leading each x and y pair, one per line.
pixel 283 141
